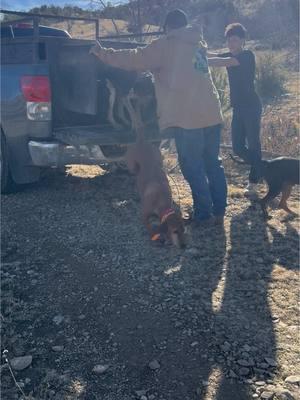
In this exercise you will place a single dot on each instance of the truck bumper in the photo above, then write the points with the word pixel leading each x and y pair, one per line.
pixel 55 154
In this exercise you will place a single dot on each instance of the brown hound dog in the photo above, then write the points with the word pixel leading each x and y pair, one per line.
pixel 144 159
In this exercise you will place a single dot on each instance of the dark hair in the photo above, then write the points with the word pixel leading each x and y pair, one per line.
pixel 175 19
pixel 235 29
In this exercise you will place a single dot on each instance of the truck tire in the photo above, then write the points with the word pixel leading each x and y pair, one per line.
pixel 7 183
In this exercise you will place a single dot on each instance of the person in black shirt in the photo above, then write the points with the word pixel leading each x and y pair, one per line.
pixel 246 117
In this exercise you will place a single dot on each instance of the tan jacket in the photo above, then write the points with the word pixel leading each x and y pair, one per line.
pixel 186 97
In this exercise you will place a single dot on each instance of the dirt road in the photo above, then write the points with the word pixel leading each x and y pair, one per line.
pixel 108 315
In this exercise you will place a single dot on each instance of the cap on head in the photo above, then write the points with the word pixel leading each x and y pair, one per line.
pixel 175 19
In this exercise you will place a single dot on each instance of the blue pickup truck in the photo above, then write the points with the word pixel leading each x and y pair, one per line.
pixel 54 104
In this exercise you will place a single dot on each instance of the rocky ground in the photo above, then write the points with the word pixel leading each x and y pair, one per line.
pixel 91 309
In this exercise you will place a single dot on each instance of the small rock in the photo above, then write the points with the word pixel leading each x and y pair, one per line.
pixel 57 348
pixel 260 389
pixel 141 393
pixel 100 369
pixel 64 378
pixel 20 363
pixel 246 363
pixel 244 371
pixel 267 395
pixel 58 319
pixel 275 318
pixel 270 388
pixel 225 347
pixel 194 344
pixel 154 365
pixel 232 374
pixel 271 361
pixel 255 396
pixel 144 398
pixel 193 251
pixel 263 365
pixel 247 348
pixel 293 379
pixel 205 383
pixel 260 383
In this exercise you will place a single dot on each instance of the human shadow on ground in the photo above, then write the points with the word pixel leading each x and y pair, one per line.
pixel 245 315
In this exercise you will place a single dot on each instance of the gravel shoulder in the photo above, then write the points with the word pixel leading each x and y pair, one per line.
pixel 106 314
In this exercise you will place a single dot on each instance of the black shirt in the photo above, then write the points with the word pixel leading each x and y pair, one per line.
pixel 241 80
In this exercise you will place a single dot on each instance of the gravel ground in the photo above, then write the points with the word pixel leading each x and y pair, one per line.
pixel 105 314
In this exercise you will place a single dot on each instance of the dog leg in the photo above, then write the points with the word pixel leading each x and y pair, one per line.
pixel 121 113
pixel 112 100
pixel 287 189
pixel 135 114
pixel 274 190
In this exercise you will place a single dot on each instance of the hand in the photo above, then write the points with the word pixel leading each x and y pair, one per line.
pixel 96 49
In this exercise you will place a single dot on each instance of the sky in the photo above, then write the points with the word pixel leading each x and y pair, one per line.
pixel 25 5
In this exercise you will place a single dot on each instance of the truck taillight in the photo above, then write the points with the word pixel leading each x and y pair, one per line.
pixel 36 88
pixel 37 93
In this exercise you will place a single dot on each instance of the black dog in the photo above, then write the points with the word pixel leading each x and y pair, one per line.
pixel 281 174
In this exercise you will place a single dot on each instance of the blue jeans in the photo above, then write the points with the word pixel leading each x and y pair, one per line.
pixel 245 128
pixel 198 156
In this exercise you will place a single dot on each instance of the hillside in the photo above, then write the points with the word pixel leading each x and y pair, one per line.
pixel 272 19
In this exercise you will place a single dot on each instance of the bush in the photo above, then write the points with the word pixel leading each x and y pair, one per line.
pixel 270 78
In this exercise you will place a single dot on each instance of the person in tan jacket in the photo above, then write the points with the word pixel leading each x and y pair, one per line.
pixel 187 104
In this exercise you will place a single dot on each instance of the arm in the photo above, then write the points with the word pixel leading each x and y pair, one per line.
pixel 223 62
pixel 139 59
pixel 210 54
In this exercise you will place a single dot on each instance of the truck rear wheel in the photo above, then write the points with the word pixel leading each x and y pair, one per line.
pixel 7 183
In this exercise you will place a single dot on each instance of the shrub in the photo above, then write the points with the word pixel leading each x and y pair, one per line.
pixel 270 78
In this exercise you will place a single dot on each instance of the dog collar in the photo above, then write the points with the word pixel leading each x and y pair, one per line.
pixel 155 237
pixel 166 215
